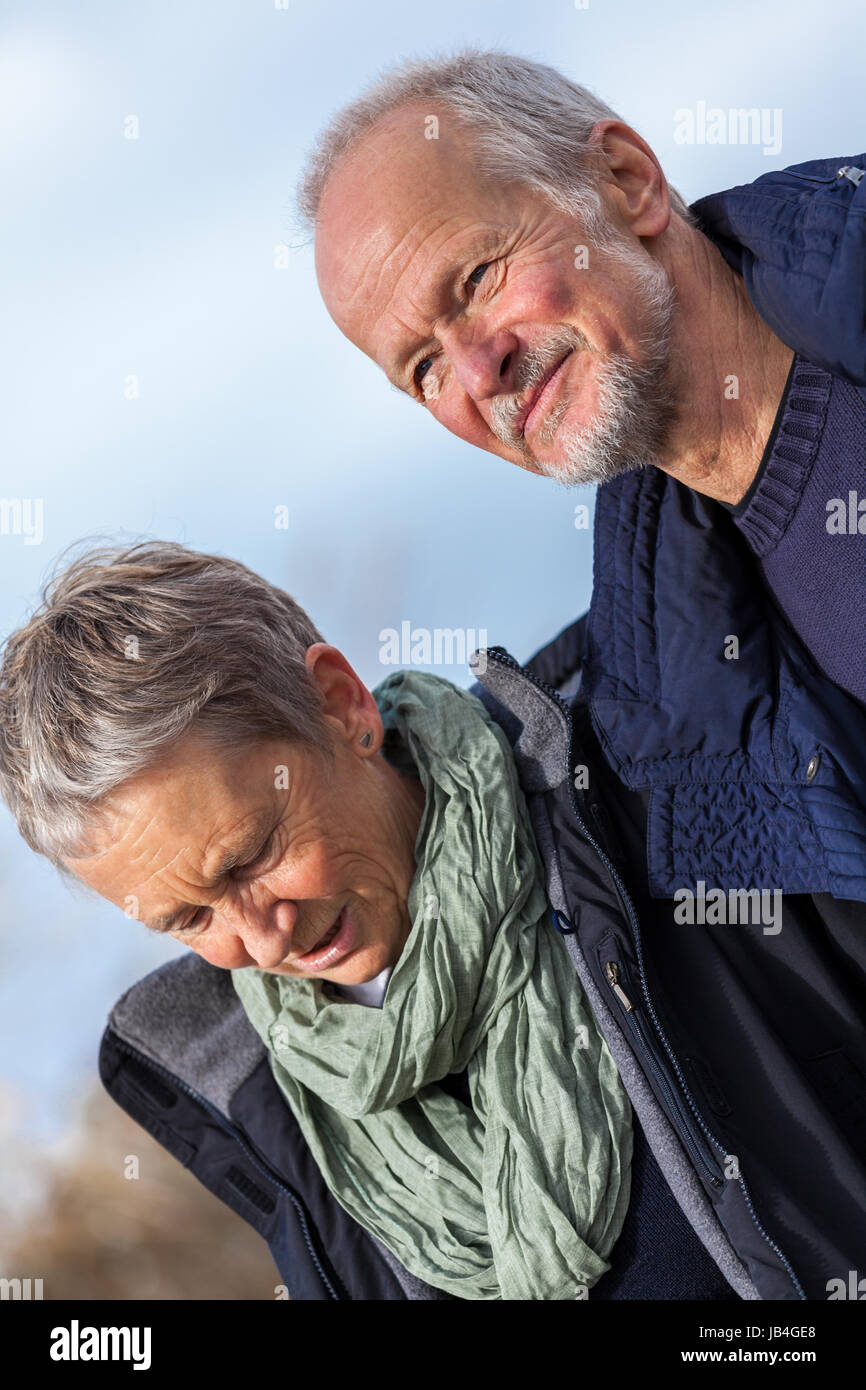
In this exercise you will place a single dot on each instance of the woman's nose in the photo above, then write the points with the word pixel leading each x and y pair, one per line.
pixel 265 931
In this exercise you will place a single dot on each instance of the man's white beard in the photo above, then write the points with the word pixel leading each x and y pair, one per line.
pixel 635 406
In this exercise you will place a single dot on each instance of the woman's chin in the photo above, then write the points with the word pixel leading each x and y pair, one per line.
pixel 358 968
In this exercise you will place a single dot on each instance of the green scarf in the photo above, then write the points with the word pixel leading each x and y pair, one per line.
pixel 523 1196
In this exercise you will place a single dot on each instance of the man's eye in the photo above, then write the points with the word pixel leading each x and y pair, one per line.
pixel 421 370
pixel 478 273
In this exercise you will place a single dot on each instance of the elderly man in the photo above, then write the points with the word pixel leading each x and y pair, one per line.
pixel 509 252
pixel 526 274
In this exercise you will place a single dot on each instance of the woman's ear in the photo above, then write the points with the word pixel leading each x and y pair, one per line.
pixel 347 705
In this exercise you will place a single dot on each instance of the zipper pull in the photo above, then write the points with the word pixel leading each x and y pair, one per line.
pixel 611 970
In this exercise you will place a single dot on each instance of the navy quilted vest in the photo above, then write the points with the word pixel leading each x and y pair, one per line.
pixel 755 762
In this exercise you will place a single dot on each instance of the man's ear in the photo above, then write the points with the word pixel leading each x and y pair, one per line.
pixel 347 705
pixel 632 177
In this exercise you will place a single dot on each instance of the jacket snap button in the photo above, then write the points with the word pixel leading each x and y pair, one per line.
pixel 563 925
pixel 812 767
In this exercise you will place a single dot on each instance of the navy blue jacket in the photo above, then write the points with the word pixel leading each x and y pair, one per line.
pixel 755 766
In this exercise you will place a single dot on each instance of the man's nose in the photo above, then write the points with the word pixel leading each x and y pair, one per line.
pixel 484 363
pixel 264 929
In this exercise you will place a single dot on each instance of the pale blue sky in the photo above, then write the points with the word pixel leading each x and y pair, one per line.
pixel 155 257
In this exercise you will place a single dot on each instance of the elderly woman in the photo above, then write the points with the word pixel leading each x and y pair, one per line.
pixel 175 734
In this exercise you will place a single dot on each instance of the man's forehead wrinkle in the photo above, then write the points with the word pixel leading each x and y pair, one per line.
pixel 392 266
pixel 418 287
pixel 364 247
pixel 359 259
pixel 443 259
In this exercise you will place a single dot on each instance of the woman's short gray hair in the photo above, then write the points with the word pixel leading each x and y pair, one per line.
pixel 528 124
pixel 131 649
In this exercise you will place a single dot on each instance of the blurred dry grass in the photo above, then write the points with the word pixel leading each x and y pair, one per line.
pixel 102 1235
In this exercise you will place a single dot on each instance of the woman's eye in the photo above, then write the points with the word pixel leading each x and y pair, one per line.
pixel 478 273
pixel 268 854
pixel 195 922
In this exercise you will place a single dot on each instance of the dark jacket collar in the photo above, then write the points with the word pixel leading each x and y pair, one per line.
pixel 798 238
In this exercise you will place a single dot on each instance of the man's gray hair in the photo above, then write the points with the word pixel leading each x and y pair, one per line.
pixel 131 649
pixel 527 123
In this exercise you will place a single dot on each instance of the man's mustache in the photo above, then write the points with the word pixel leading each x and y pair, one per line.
pixel 536 362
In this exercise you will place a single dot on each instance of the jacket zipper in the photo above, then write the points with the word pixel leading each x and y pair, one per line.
pixel 821 178
pixel 611 970
pixel 229 1128
pixel 503 658
pixel 660 1067
pixel 694 1140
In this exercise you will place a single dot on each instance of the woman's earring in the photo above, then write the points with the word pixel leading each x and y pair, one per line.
pixel 367 739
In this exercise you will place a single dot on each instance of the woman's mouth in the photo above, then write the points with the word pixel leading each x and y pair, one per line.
pixel 340 938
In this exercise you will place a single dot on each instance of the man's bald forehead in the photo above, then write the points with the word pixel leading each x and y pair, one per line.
pixel 410 132
pixel 385 193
